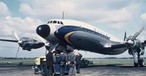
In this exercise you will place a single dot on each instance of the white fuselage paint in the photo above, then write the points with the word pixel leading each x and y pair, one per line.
pixel 67 22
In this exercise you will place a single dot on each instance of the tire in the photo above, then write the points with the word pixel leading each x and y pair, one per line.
pixel 135 64
pixel 86 63
pixel 141 62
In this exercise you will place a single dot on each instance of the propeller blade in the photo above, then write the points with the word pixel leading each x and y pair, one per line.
pixel 43 40
pixel 137 33
pixel 125 36
pixel 16 36
pixel 17 51
pixel 46 52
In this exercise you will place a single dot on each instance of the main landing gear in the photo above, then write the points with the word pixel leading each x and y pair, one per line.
pixel 138 61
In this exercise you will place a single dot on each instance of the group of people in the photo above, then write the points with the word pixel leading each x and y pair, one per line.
pixel 61 62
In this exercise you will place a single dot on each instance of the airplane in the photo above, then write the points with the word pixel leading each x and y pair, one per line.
pixel 82 36
pixel 25 42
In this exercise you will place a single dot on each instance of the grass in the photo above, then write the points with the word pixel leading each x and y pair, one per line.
pixel 95 61
pixel 113 61
pixel 17 61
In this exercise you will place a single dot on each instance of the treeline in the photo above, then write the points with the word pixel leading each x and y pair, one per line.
pixel 16 58
pixel 114 58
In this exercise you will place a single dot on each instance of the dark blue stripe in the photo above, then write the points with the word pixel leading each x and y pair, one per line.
pixel 61 32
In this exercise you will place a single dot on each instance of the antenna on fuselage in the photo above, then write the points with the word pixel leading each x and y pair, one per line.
pixel 63 15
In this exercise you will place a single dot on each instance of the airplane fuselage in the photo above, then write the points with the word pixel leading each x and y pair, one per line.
pixel 81 36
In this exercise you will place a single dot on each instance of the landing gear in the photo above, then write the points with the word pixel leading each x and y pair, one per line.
pixel 135 64
pixel 138 61
pixel 141 62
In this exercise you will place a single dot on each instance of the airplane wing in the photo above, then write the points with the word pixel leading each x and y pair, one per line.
pixel 8 40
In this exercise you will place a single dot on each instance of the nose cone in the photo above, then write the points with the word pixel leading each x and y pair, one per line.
pixel 43 30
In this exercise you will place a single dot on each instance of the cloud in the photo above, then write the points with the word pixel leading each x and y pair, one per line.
pixel 24 27
pixel 42 9
pixel 143 16
pixel 92 11
pixel 27 25
pixel 4 11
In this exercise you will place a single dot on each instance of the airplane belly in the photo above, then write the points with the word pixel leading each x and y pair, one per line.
pixel 85 41
pixel 92 43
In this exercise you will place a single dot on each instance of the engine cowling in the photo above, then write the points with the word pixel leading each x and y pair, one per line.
pixel 136 43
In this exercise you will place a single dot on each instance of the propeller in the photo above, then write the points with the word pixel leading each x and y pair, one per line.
pixel 17 51
pixel 43 40
pixel 47 45
pixel 125 36
pixel 16 36
pixel 137 33
pixel 19 41
pixel 133 38
pixel 136 44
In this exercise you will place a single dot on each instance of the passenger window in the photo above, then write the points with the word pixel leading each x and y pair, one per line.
pixel 54 21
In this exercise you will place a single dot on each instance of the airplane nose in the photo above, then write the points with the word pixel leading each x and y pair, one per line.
pixel 43 30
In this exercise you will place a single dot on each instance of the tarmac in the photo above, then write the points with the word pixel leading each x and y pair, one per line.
pixel 95 70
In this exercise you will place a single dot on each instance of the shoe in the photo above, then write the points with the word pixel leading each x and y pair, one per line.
pixel 78 72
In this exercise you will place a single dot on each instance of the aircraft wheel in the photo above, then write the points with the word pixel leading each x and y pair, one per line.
pixel 141 62
pixel 86 63
pixel 135 64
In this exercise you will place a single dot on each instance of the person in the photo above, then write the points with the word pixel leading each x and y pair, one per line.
pixel 71 61
pixel 78 62
pixel 37 65
pixel 62 56
pixel 56 62
pixel 66 67
pixel 49 63
pixel 43 66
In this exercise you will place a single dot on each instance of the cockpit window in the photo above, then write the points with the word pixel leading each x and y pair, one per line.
pixel 61 23
pixel 55 22
pixel 58 22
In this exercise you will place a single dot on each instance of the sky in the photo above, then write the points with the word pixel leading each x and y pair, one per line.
pixel 112 16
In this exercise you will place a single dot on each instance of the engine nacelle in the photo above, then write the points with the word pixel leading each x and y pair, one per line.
pixel 136 43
